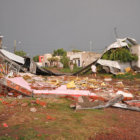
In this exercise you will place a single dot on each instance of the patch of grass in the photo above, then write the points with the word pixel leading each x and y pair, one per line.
pixel 63 136
pixel 114 117
pixel 6 138
pixel 25 134
pixel 124 76
pixel 16 126
pixel 48 68
pixel 104 74
pixel 64 106
pixel 137 75
pixel 97 111
pixel 28 134
pixel 67 70
pixel 76 69
pixel 77 115
pixel 129 76
pixel 68 123
pixel 1 106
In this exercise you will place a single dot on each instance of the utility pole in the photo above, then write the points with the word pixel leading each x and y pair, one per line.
pixel 90 45
pixel 15 44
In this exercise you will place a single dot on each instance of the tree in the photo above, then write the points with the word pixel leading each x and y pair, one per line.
pixel 65 61
pixel 36 58
pixel 75 50
pixel 59 52
pixel 52 60
pixel 20 53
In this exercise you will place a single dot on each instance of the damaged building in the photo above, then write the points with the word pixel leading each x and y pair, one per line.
pixel 12 63
pixel 116 58
pixel 119 62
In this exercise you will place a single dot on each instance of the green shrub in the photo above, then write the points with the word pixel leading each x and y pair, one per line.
pixel 123 54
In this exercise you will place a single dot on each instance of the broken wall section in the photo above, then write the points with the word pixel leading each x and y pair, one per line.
pixel 136 50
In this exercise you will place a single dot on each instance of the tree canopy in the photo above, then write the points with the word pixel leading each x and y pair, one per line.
pixel 36 58
pixel 20 53
pixel 53 59
pixel 75 50
pixel 65 61
pixel 59 52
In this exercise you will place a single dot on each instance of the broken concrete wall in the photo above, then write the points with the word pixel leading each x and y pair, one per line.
pixel 15 86
pixel 136 50
pixel 32 67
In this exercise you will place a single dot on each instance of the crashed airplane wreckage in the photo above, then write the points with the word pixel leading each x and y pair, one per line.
pixel 131 50
pixel 12 63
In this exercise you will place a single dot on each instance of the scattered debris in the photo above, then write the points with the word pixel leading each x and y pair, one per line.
pixel 108 79
pixel 133 103
pixel 5 124
pixel 33 109
pixel 127 96
pixel 41 103
pixel 10 94
pixel 127 107
pixel 19 96
pixel 24 104
pixel 99 91
pixel 86 103
pixel 50 118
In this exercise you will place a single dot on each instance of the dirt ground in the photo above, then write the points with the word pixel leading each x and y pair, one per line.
pixel 58 121
pixel 53 119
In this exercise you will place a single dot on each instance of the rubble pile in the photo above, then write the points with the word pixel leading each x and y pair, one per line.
pixel 97 91
pixel 88 92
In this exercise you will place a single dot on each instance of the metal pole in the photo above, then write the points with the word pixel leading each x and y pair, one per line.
pixel 15 44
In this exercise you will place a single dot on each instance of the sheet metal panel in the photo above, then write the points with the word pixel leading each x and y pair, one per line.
pixel 13 56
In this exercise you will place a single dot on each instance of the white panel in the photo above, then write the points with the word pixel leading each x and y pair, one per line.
pixel 13 56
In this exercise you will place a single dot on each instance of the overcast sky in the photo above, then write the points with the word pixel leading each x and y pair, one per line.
pixel 40 26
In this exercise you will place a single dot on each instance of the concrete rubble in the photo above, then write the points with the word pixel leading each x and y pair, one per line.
pixel 94 93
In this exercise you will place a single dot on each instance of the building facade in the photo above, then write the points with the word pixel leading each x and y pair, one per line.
pixel 82 59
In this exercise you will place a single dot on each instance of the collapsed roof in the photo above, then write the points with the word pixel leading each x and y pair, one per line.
pixel 17 63
pixel 114 66
pixel 121 43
